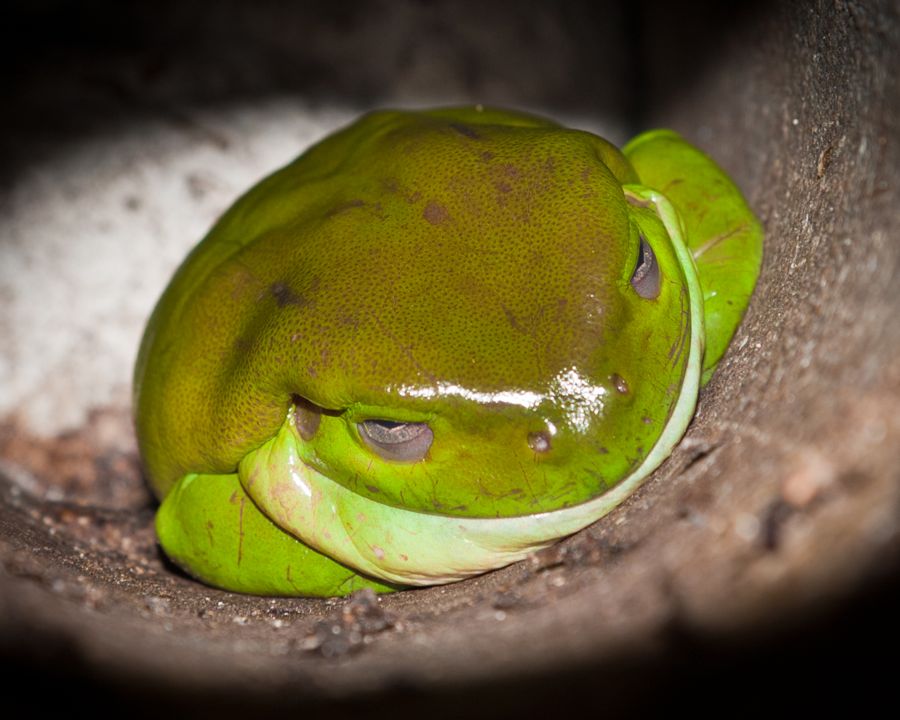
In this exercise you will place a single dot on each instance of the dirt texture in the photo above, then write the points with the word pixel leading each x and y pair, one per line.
pixel 766 546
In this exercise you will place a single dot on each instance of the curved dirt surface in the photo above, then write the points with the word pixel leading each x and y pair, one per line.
pixel 770 539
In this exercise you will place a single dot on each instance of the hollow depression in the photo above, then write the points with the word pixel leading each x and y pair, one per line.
pixel 780 506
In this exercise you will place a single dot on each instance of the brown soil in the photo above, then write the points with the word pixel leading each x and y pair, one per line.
pixel 762 544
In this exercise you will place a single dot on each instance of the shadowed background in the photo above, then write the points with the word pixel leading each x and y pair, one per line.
pixel 763 555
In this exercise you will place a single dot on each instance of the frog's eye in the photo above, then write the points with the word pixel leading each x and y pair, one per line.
pixel 403 441
pixel 645 278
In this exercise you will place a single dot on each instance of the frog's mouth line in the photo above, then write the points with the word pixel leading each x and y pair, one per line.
pixel 416 548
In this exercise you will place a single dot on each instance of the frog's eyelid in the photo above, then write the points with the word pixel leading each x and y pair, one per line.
pixel 646 276
pixel 308 415
pixel 303 401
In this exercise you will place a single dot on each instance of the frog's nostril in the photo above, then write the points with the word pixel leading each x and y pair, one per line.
pixel 619 383
pixel 539 441
pixel 307 416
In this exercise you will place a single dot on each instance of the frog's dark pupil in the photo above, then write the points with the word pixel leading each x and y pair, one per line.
pixel 645 278
pixel 391 431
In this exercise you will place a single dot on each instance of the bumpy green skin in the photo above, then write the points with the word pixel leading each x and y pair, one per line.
pixel 467 268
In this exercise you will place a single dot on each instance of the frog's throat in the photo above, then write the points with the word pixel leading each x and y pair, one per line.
pixel 416 548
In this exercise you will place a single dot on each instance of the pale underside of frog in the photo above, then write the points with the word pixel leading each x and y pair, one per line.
pixel 434 343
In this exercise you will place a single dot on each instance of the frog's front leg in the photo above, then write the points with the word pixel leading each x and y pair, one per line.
pixel 720 229
pixel 210 527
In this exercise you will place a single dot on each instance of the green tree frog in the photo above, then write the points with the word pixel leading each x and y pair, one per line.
pixel 434 343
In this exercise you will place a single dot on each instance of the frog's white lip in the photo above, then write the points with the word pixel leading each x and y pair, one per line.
pixel 416 548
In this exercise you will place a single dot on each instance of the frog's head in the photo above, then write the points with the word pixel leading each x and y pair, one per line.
pixel 448 313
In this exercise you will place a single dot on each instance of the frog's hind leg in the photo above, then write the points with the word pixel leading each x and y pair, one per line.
pixel 721 230
pixel 210 527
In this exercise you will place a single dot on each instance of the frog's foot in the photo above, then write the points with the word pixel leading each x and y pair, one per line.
pixel 210 527
pixel 722 232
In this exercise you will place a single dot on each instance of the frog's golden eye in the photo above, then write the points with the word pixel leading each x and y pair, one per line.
pixel 401 441
pixel 645 278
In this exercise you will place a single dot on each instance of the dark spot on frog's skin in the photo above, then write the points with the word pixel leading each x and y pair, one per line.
pixel 619 383
pixel 344 207
pixel 372 489
pixel 323 362
pixel 284 296
pixel 503 187
pixel 391 186
pixel 647 421
pixel 639 451
pixel 511 318
pixel 598 478
pixel 465 131
pixel 487 156
pixel 435 213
